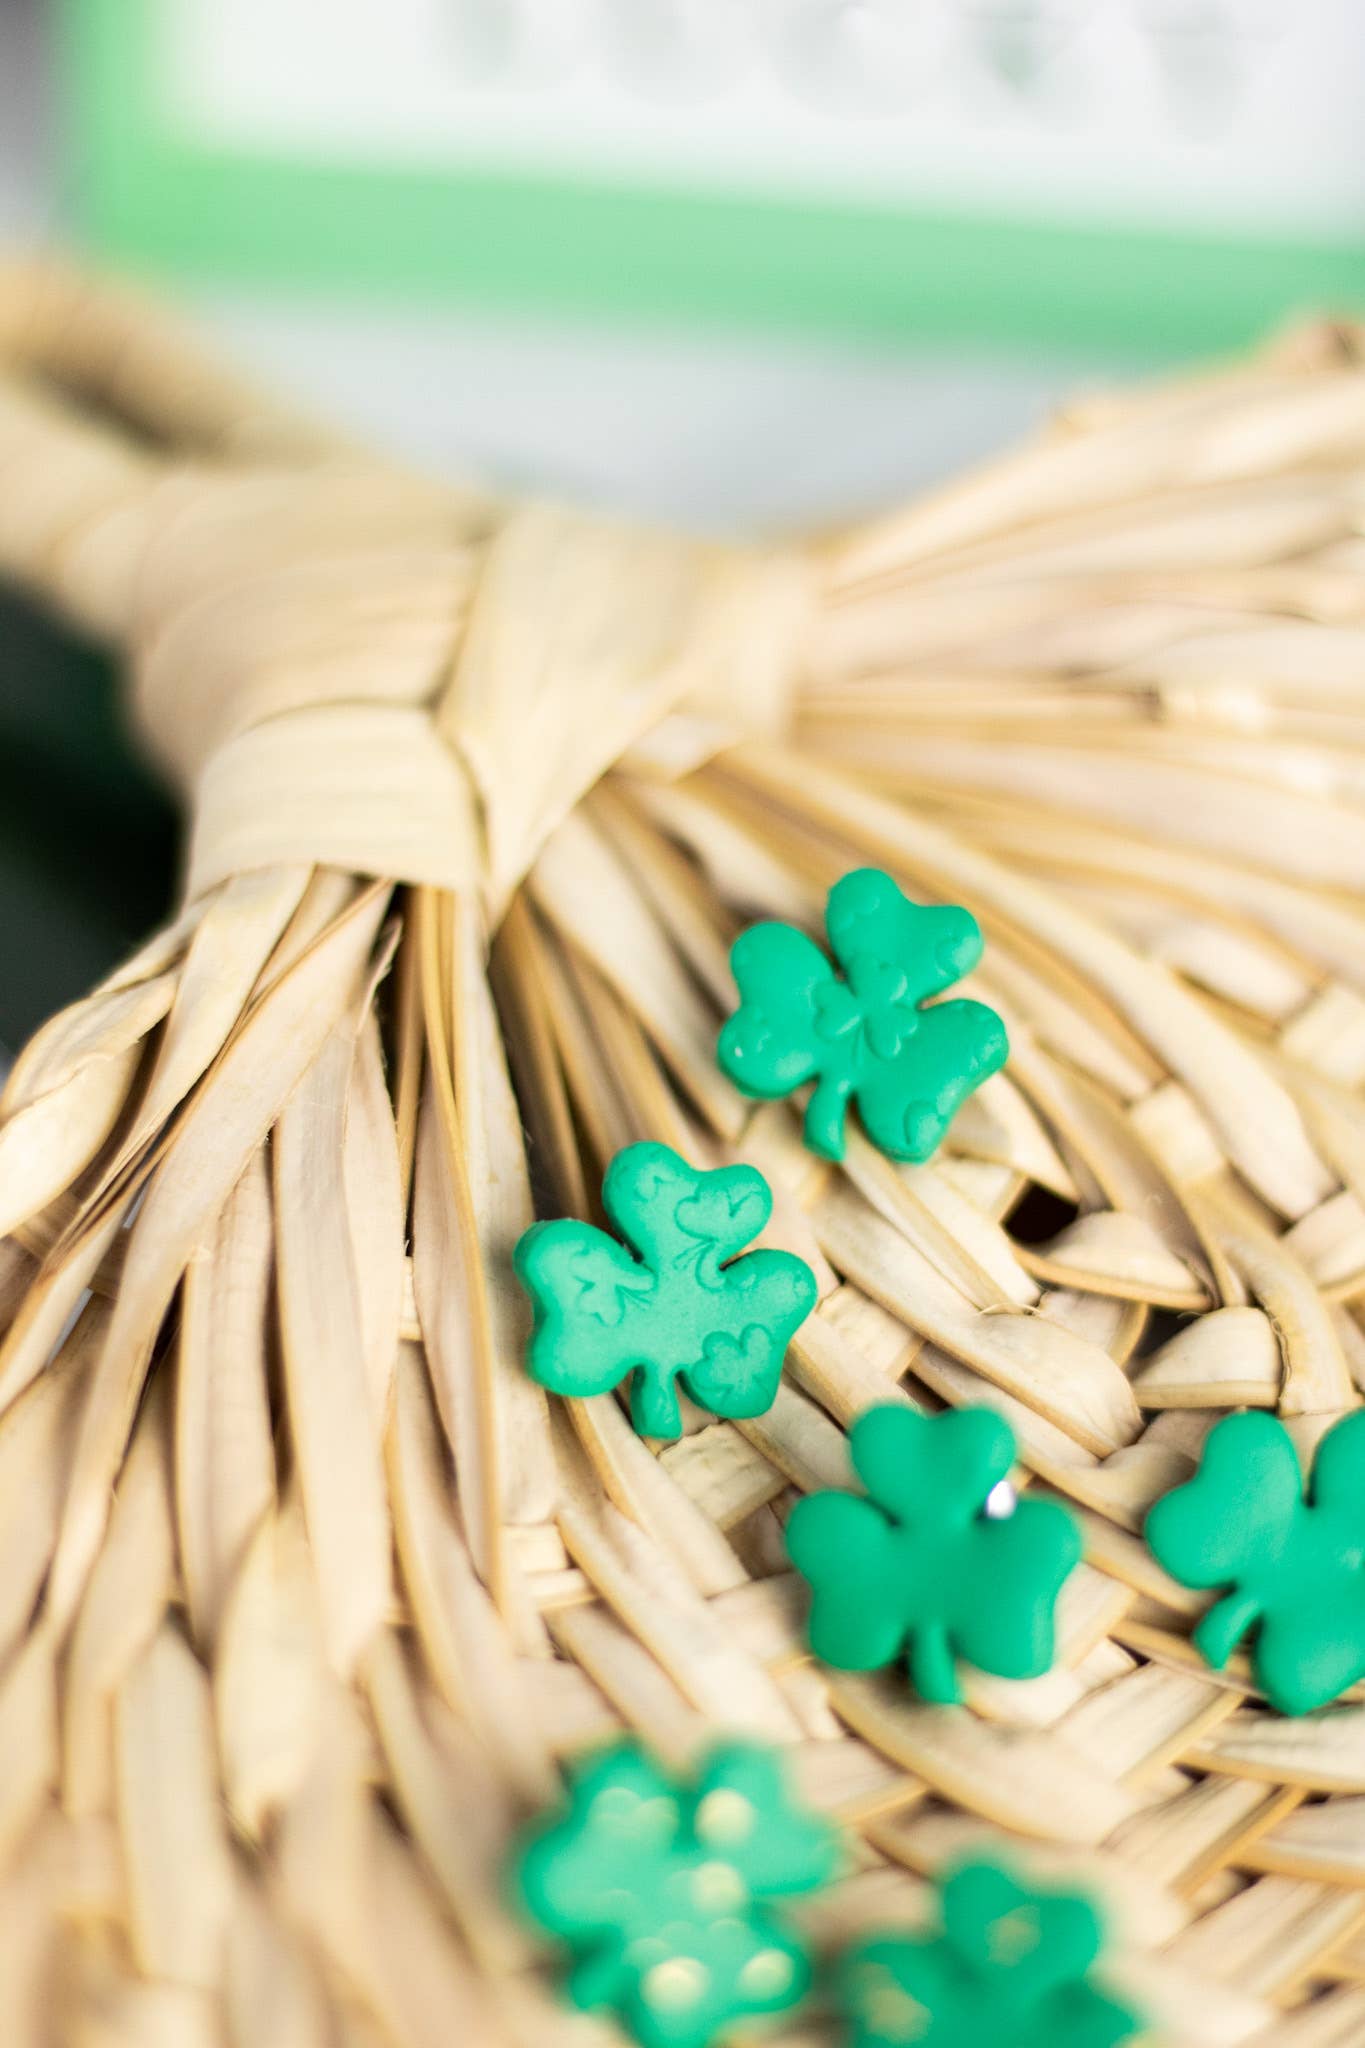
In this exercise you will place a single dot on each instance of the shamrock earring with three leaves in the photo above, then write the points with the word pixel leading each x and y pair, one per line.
pixel 1292 1565
pixel 864 1037
pixel 677 1302
pixel 1011 1966
pixel 662 1892
pixel 922 1565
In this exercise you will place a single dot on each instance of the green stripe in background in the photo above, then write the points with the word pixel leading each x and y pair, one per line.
pixel 144 196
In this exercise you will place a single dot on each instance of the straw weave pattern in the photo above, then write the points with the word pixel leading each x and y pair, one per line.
pixel 308 1592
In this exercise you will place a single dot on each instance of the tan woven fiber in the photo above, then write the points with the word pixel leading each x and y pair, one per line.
pixel 306 1589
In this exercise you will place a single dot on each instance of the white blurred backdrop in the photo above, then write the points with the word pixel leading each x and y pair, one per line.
pixel 732 435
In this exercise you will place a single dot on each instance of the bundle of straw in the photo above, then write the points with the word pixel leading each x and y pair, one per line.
pixel 307 1590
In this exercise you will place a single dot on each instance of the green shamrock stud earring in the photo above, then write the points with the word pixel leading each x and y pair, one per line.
pixel 864 1037
pixel 1292 1568
pixel 679 1304
pixel 926 1565
pixel 1009 1967
pixel 662 1892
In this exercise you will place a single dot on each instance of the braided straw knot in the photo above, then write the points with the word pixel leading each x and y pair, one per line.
pixel 339 663
pixel 339 672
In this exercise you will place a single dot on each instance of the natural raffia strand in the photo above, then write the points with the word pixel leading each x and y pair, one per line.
pixel 306 1588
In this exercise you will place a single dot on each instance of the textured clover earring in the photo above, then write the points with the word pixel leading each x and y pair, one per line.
pixel 663 1893
pixel 1291 1565
pixel 864 1036
pixel 921 1565
pixel 681 1300
pixel 1011 1966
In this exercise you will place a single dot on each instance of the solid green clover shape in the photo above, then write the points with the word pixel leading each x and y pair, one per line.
pixel 864 1037
pixel 687 1308
pixel 926 1565
pixel 1010 1967
pixel 1291 1561
pixel 661 1891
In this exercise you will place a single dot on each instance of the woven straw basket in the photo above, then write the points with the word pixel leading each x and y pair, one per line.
pixel 307 1591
